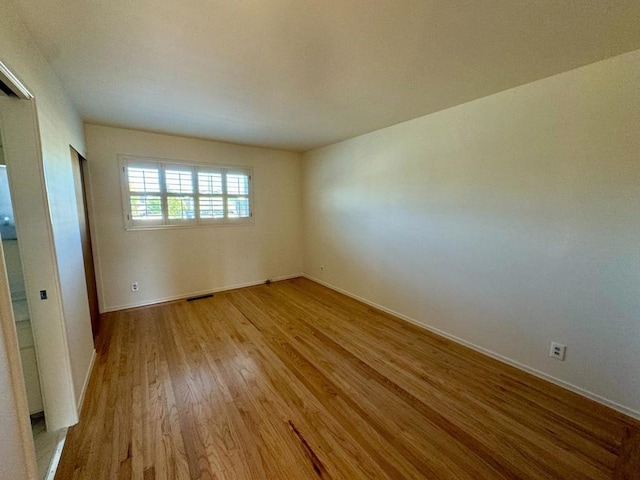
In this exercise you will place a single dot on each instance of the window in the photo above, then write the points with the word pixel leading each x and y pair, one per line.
pixel 160 194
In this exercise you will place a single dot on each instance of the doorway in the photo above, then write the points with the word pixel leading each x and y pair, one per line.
pixel 45 442
pixel 20 307
pixel 80 175
pixel 22 152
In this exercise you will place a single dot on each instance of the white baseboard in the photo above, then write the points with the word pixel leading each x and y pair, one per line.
pixel 198 293
pixel 569 386
pixel 86 381
pixel 55 459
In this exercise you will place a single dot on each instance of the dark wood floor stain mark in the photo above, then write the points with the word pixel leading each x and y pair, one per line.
pixel 315 461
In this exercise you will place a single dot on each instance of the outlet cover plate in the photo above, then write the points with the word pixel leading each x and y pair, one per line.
pixel 557 351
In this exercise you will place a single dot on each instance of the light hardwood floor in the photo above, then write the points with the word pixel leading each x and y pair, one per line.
pixel 295 381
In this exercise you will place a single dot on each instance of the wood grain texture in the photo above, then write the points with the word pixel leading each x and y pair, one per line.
pixel 295 381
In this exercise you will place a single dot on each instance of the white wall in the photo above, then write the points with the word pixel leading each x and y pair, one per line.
pixel 174 263
pixel 58 126
pixel 508 222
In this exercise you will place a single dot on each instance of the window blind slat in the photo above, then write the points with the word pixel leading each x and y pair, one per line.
pixel 144 180
pixel 178 181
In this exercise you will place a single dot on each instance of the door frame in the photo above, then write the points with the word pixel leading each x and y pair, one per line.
pixel 80 180
pixel 23 155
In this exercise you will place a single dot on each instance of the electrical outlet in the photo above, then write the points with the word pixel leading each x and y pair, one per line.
pixel 134 286
pixel 558 351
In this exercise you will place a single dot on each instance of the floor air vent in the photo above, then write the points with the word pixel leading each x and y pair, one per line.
pixel 200 297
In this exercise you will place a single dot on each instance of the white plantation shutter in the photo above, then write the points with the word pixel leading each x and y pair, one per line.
pixel 158 194
pixel 211 194
pixel 144 199
pixel 237 183
pixel 181 205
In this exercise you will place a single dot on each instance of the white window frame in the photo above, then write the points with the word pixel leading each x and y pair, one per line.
pixel 126 161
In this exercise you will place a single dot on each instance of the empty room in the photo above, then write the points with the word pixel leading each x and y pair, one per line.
pixel 294 239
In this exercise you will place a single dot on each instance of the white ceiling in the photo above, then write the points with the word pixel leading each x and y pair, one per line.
pixel 297 74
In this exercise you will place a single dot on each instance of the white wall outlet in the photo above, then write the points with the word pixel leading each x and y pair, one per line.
pixel 134 286
pixel 557 351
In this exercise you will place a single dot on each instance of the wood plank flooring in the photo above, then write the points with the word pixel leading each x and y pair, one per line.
pixel 295 381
